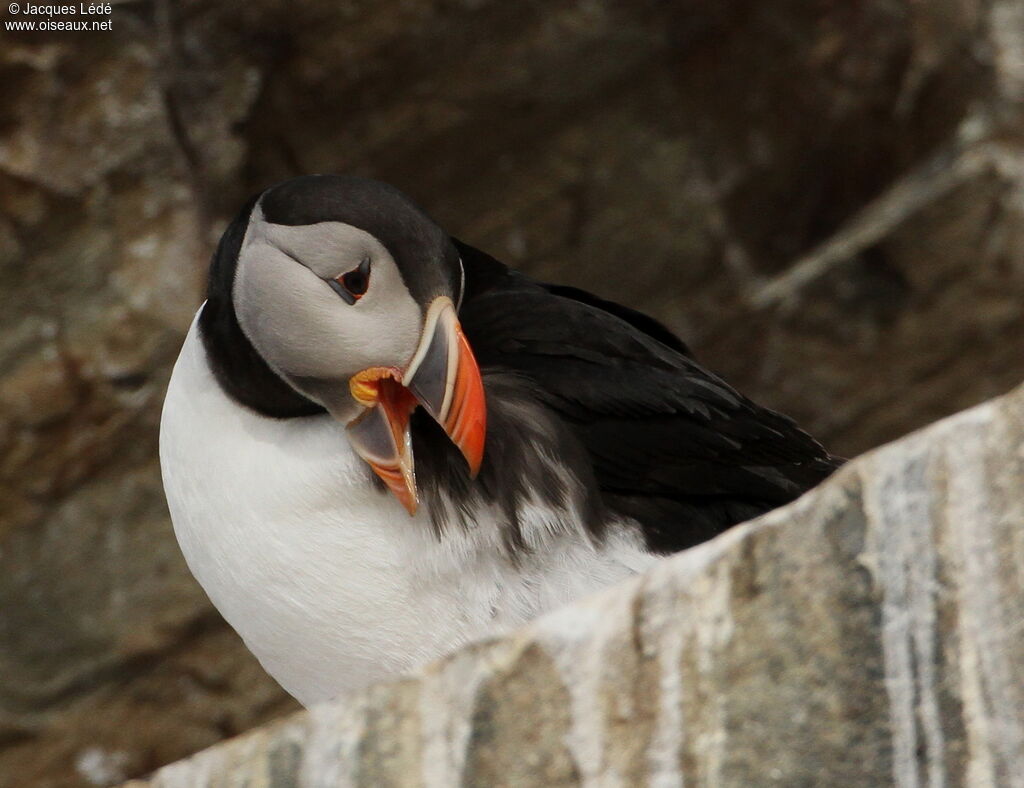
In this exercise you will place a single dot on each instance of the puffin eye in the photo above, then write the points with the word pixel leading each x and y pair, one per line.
pixel 353 284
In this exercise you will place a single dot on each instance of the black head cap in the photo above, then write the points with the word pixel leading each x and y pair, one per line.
pixel 423 252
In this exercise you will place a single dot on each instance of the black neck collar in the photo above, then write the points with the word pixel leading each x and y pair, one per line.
pixel 239 369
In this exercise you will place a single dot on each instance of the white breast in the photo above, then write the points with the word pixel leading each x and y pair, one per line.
pixel 330 582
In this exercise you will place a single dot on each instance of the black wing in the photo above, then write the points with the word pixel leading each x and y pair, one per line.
pixel 672 445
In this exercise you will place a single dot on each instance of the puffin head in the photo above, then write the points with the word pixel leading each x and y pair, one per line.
pixel 349 294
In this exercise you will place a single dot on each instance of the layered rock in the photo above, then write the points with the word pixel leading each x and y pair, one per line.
pixel 872 633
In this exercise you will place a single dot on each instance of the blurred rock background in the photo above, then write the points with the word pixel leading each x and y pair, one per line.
pixel 826 200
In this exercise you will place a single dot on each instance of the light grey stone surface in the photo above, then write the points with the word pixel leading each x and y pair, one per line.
pixel 870 634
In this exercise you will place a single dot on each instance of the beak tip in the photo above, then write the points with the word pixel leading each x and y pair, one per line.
pixel 471 443
pixel 475 460
pixel 408 497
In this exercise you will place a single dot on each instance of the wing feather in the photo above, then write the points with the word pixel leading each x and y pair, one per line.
pixel 672 445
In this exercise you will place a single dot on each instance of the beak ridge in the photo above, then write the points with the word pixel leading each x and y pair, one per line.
pixel 445 380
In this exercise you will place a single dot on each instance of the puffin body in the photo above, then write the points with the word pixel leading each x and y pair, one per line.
pixel 326 577
pixel 379 443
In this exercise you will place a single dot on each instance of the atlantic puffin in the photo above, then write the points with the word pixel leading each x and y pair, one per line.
pixel 379 443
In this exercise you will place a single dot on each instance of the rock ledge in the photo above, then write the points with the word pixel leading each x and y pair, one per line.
pixel 872 633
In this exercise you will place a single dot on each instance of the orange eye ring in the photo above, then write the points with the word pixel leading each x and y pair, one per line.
pixel 352 285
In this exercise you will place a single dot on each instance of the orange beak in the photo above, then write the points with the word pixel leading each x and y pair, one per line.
pixel 444 378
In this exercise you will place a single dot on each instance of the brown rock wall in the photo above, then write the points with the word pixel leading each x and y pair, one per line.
pixel 825 201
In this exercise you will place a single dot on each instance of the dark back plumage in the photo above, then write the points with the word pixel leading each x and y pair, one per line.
pixel 668 443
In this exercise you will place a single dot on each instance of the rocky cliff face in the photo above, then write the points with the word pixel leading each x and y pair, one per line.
pixel 872 633
pixel 825 201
